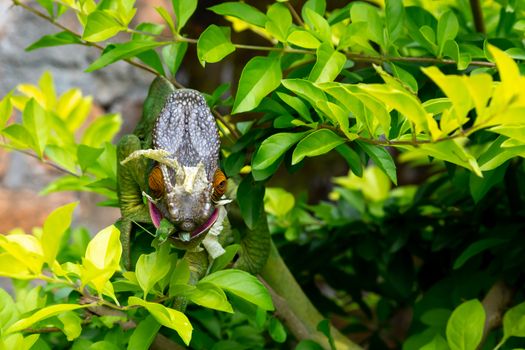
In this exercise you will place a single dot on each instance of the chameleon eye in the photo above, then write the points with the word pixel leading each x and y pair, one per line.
pixel 156 182
pixel 219 185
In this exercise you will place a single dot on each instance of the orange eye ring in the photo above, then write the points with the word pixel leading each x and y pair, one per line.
pixel 156 182
pixel 219 185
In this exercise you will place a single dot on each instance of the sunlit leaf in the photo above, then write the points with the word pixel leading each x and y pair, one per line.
pixel 42 314
pixel 122 51
pixel 55 226
pixel 260 76
pixel 465 326
pixel 101 26
pixel 214 44
pixel 167 317
pixel 242 11
pixel 242 284
pixel 317 143
pixel 183 10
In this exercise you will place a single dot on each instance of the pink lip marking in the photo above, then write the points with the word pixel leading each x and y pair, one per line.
pixel 155 214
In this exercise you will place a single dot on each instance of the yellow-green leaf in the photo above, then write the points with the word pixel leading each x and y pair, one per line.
pixel 167 317
pixel 42 314
pixel 214 44
pixel 102 258
pixel 55 226
pixel 101 26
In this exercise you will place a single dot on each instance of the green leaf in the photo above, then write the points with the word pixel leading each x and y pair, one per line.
pixel 273 148
pixel 173 55
pixel 317 143
pixel 278 201
pixel 101 26
pixel 276 330
pixel 102 258
pixel 102 130
pixel 328 65
pixel 121 52
pixel 183 10
pixel 279 21
pixel 381 158
pixel 465 326
pixel 87 156
pixel 437 343
pixel 401 100
pixel 19 136
pixel 260 76
pixel 476 248
pixel 318 6
pixel 302 38
pixel 55 226
pixel 297 104
pixel 395 17
pixel 222 261
pixel 167 18
pixel 144 335
pixel 8 310
pixel 242 11
pixel 34 121
pixel 153 267
pixel 250 196
pixel 243 285
pixel 324 327
pixel 352 158
pixel 447 29
pixel 514 322
pixel 307 344
pixel 208 295
pixel 42 314
pixel 214 44
pixel 305 89
pixel 167 317
pixel 318 25
pixel 179 276
pixel 6 109
pixel 147 31
pixel 58 39
pixel 479 187
pixel 71 325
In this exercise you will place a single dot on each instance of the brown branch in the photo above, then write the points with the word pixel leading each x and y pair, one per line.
pixel 295 14
pixel 495 303
pixel 223 120
pixel 477 14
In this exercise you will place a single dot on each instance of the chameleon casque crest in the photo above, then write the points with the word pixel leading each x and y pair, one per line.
pixel 186 129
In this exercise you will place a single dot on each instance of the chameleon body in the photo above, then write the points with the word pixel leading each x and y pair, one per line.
pixel 168 175
pixel 166 168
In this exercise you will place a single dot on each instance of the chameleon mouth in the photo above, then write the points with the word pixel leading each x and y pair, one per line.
pixel 156 217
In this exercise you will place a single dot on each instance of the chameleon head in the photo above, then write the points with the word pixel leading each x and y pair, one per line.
pixel 183 187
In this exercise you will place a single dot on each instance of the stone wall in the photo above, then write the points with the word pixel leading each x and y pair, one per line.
pixel 118 88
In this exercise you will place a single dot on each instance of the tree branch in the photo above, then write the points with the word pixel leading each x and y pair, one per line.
pixel 495 303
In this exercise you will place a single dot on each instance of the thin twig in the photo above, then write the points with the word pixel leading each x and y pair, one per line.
pixel 477 14
pixel 225 122
pixel 295 14
pixel 44 161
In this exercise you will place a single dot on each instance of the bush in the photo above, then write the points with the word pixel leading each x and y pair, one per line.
pixel 386 90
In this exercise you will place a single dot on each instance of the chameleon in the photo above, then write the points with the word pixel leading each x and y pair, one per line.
pixel 168 175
